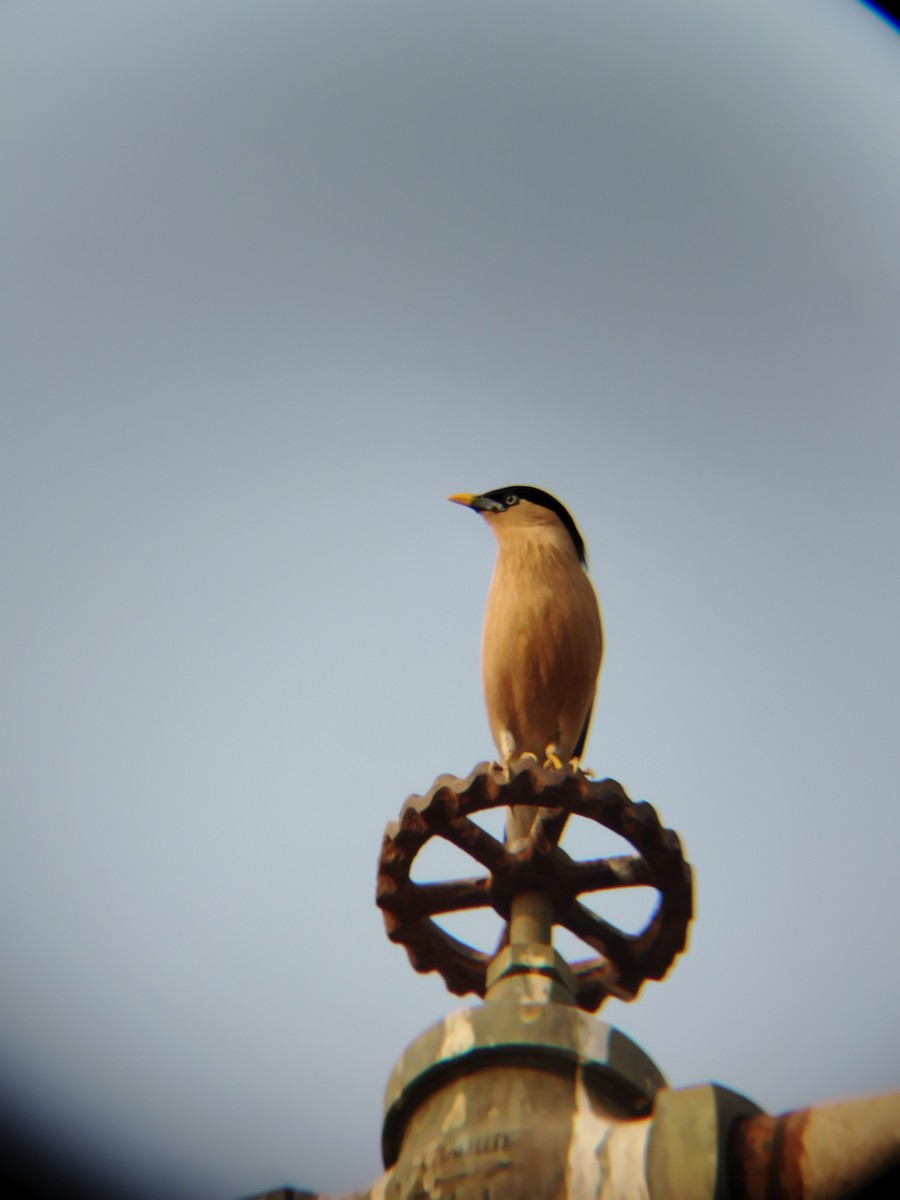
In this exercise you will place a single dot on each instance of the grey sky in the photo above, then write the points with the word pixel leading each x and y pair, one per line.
pixel 277 277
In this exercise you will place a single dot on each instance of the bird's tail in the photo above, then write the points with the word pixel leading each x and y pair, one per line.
pixel 519 822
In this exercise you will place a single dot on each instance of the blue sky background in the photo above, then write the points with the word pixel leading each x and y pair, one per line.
pixel 277 278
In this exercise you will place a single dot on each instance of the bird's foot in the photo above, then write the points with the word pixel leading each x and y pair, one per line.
pixel 528 754
pixel 552 762
pixel 574 765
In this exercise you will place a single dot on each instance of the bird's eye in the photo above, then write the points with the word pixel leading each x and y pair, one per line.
pixel 510 501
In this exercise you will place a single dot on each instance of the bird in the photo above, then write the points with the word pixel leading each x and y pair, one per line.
pixel 542 641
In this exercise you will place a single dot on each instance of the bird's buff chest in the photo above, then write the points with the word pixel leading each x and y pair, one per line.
pixel 541 616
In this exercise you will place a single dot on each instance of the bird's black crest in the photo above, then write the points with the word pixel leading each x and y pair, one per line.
pixel 523 492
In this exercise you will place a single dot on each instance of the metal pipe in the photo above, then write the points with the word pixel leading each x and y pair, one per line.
pixel 531 919
pixel 827 1152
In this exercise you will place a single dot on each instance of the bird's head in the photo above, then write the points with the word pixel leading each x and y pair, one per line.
pixel 521 510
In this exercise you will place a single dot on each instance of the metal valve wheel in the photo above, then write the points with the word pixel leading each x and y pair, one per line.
pixel 623 961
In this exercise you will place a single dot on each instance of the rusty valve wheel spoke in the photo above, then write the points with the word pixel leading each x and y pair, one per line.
pixel 475 841
pixel 456 895
pixel 623 961
pixel 551 824
pixel 604 874
pixel 606 939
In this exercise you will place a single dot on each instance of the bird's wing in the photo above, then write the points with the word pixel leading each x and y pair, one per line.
pixel 582 738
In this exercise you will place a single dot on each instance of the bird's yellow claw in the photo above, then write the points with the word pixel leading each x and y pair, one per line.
pixel 574 765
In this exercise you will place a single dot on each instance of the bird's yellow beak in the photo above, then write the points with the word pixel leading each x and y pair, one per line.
pixel 481 504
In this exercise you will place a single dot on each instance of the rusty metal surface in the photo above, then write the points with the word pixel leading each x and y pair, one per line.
pixel 623 961
pixel 826 1152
